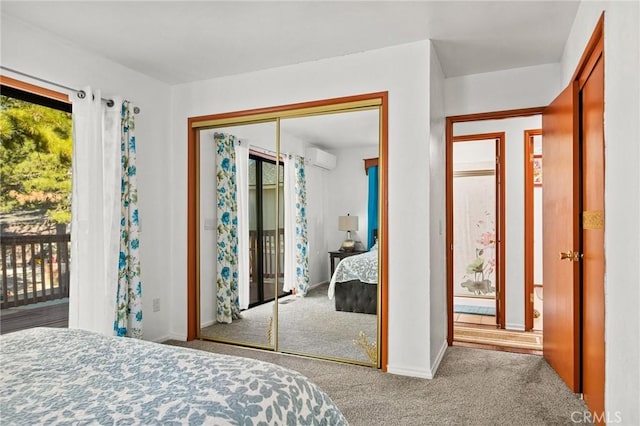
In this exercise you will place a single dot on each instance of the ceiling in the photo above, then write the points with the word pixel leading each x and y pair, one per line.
pixel 183 41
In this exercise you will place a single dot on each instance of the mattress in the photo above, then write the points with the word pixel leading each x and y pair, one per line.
pixel 362 267
pixel 61 376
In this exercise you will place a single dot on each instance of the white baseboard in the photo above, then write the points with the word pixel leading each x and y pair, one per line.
pixel 514 327
pixel 411 372
pixel 172 336
pixel 436 362
pixel 207 324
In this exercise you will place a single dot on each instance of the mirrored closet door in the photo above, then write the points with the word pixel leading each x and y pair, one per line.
pixel 289 212
pixel 238 183
pixel 330 315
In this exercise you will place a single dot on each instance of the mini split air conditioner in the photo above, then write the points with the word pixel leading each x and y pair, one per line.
pixel 319 158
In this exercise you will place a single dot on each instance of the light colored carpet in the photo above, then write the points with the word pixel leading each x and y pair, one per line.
pixel 308 325
pixel 472 387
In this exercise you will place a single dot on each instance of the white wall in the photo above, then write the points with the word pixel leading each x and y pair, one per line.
pixel 30 50
pixel 437 214
pixel 622 198
pixel 408 201
pixel 514 205
pixel 502 90
pixel 348 192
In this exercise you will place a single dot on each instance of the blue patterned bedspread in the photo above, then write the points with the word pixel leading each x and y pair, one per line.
pixel 60 376
pixel 363 267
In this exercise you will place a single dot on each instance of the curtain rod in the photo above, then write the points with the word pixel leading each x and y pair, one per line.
pixel 80 93
pixel 259 148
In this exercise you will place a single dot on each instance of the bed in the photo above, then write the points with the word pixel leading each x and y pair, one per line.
pixel 53 376
pixel 354 283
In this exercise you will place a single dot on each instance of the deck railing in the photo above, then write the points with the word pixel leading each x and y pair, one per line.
pixel 35 268
pixel 268 253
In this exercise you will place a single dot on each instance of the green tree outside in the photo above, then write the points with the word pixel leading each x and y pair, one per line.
pixel 35 159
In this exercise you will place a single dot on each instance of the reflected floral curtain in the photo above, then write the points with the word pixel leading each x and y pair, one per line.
pixel 296 261
pixel 128 320
pixel 228 303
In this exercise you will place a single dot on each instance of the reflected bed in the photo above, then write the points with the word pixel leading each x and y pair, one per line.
pixel 78 377
pixel 354 283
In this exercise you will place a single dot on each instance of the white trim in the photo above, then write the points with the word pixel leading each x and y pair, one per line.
pixel 515 327
pixel 411 372
pixel 438 359
pixel 172 336
pixel 207 323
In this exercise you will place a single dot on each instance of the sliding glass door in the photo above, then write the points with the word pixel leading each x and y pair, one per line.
pixel 264 175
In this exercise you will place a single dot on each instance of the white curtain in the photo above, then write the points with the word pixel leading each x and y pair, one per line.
pixel 289 224
pixel 242 196
pixel 95 212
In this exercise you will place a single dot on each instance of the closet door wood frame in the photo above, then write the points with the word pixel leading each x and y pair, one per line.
pixel 195 124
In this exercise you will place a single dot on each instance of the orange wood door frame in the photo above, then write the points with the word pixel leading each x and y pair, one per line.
pixel 573 127
pixel 192 206
pixel 590 78
pixel 499 216
pixel 450 121
pixel 528 227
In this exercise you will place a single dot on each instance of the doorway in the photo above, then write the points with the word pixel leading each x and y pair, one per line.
pixel 508 127
pixel 264 175
pixel 478 211
pixel 573 132
pixel 533 264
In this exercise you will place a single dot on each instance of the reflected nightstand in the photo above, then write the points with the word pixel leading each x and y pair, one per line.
pixel 333 255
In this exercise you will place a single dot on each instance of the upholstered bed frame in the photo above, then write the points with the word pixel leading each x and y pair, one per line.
pixel 356 296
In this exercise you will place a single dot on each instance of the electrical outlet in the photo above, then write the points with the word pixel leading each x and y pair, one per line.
pixel 156 305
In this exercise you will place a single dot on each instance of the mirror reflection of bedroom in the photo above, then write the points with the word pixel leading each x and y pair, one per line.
pixel 303 223
pixel 496 193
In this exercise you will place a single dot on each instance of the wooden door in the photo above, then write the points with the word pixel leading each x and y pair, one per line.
pixel 560 202
pixel 592 130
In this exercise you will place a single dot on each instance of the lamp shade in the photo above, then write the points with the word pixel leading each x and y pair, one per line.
pixel 347 223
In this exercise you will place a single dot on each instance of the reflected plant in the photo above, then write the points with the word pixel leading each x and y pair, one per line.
pixel 369 348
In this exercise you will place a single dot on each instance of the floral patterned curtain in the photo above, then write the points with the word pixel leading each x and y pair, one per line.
pixel 228 303
pixel 128 320
pixel 297 243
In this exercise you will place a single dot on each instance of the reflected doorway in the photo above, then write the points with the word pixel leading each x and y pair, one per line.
pixel 263 175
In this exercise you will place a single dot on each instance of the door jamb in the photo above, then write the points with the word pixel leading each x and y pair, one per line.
pixel 500 212
pixel 450 121
pixel 528 228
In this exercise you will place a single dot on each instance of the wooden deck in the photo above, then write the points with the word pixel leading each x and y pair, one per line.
pixel 49 314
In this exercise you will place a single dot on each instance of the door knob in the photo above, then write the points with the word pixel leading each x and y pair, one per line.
pixel 571 256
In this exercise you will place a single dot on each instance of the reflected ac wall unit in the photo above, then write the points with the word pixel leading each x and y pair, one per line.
pixel 319 158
